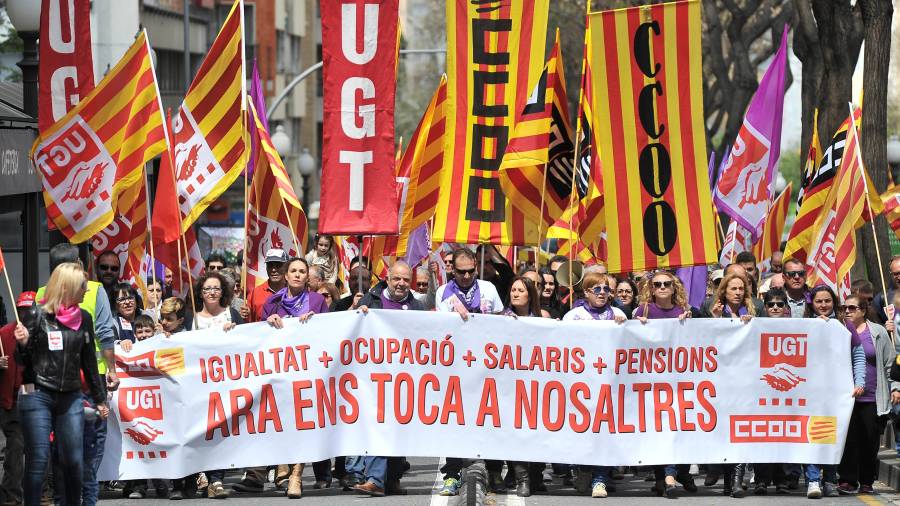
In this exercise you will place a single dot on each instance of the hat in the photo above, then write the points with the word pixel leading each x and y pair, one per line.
pixel 26 299
pixel 717 274
pixel 276 255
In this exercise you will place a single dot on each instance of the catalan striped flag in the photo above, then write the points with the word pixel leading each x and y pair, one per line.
pixel 773 227
pixel 275 217
pixel 569 243
pixel 117 128
pixel 834 250
pixel 648 119
pixel 891 201
pixel 494 50
pixel 212 144
pixel 536 173
pixel 126 235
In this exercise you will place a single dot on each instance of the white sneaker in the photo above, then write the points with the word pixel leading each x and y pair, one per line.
pixel 599 490
pixel 813 491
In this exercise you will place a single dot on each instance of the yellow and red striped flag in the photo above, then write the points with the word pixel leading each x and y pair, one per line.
pixel 494 52
pixel 649 123
pixel 422 161
pixel 275 217
pixel 212 145
pixel 834 250
pixel 536 172
pixel 773 228
pixel 891 201
pixel 97 150
pixel 569 243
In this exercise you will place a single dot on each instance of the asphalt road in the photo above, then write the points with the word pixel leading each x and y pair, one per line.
pixel 423 477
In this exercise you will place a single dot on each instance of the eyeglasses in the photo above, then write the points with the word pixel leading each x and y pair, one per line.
pixel 772 305
pixel 108 268
pixel 211 289
pixel 422 285
pixel 662 284
pixel 795 274
pixel 124 298
pixel 599 290
pixel 214 267
pixel 895 274
pixel 851 308
pixel 463 272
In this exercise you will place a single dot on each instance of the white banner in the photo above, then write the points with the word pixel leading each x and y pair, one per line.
pixel 393 383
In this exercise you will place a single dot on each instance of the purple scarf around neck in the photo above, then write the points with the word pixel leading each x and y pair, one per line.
pixel 388 303
pixel 471 298
pixel 741 311
pixel 296 305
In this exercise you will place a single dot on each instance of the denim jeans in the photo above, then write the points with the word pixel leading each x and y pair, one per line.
pixel 600 474
pixel 814 472
pixel 94 446
pixel 42 411
pixel 375 470
pixel 355 465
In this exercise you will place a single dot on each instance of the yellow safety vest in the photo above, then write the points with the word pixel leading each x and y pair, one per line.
pixel 89 304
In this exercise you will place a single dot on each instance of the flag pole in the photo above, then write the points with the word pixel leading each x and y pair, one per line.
pixel 182 241
pixel 291 224
pixel 12 297
pixel 150 232
pixel 859 162
pixel 537 249
pixel 246 235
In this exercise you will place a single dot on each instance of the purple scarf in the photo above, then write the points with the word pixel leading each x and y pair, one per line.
pixel 727 312
pixel 471 298
pixel 293 306
pixel 604 313
pixel 388 303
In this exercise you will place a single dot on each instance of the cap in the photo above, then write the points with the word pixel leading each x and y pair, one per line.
pixel 26 299
pixel 717 274
pixel 276 255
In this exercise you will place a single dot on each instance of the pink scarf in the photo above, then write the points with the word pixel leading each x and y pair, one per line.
pixel 70 316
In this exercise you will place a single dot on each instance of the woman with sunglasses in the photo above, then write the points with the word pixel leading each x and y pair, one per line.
pixel 823 304
pixel 859 464
pixel 128 305
pixel 626 296
pixel 597 305
pixel 661 295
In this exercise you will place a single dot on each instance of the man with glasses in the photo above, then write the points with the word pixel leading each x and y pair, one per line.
pixel 879 301
pixel 795 287
pixel 215 262
pixel 109 268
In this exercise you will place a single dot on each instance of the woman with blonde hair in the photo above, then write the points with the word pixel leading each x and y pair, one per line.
pixel 662 295
pixel 57 348
pixel 733 298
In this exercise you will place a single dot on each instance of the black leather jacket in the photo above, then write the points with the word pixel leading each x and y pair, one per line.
pixel 60 371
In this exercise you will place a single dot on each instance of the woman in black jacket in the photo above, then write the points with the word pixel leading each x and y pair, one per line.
pixel 56 348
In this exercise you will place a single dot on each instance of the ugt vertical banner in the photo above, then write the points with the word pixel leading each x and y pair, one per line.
pixel 359 55
pixel 67 64
pixel 495 52
pixel 648 121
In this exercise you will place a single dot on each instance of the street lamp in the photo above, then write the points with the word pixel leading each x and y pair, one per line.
pixel 893 158
pixel 25 16
pixel 281 141
pixel 306 164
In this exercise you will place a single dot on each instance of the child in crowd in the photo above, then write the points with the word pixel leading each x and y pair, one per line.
pixel 143 328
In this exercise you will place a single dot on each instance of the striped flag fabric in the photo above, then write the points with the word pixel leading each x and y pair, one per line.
pixel 569 243
pixel 834 250
pixel 773 228
pixel 495 52
pixel 891 202
pixel 275 217
pixel 737 240
pixel 536 172
pixel 649 123
pixel 126 235
pixel 212 145
pixel 118 127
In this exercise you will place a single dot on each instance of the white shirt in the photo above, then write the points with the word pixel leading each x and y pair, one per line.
pixel 580 313
pixel 490 299
pixel 212 322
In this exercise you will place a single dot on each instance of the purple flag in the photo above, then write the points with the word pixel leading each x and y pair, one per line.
pixel 712 170
pixel 418 245
pixel 259 103
pixel 745 187
pixel 694 280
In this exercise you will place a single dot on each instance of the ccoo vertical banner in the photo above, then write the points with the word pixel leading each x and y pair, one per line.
pixel 66 59
pixel 359 54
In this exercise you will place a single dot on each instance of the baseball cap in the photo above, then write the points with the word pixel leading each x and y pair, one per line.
pixel 276 255
pixel 717 274
pixel 26 299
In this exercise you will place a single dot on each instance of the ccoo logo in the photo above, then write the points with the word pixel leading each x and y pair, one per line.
pixel 787 349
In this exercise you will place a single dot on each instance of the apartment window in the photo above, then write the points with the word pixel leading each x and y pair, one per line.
pixel 296 58
pixel 283 51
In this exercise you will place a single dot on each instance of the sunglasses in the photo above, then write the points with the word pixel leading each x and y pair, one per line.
pixel 599 290
pixel 215 267
pixel 422 284
pixel 772 305
pixel 795 274
pixel 895 274
pixel 662 284
pixel 463 272
pixel 109 268
pixel 125 298
pixel 851 308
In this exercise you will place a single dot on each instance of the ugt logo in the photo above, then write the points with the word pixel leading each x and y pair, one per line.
pixel 140 402
pixel 784 349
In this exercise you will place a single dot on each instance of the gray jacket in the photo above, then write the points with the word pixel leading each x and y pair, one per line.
pixel 884 357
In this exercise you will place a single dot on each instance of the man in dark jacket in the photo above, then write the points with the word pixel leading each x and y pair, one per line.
pixel 10 381
pixel 382 474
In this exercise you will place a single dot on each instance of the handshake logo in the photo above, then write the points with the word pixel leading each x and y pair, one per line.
pixel 141 406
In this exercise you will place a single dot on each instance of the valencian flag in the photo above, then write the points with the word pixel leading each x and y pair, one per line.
pixel 422 160
pixel 648 120
pixel 210 131
pixel 275 218
pixel 773 228
pixel 815 190
pixel 99 148
pixel 536 172
pixel 833 251
pixel 494 50
pixel 744 189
